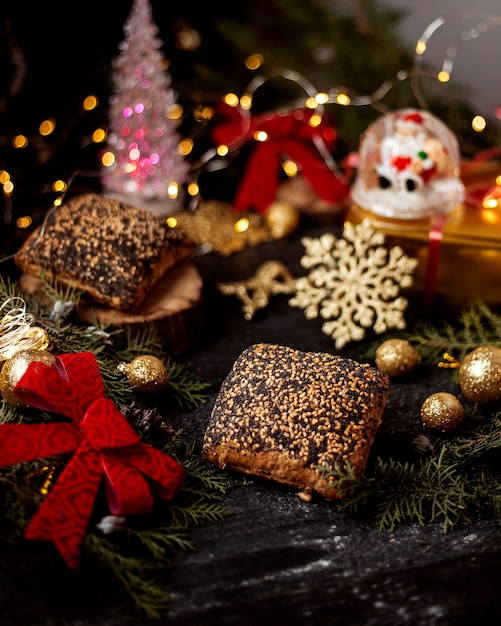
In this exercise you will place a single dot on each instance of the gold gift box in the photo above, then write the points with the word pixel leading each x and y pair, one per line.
pixel 459 259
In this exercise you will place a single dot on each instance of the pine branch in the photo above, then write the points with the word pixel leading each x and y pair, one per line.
pixel 150 599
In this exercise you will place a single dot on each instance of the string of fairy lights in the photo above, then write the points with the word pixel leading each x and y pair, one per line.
pixel 314 100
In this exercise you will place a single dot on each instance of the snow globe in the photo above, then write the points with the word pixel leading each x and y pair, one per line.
pixel 408 167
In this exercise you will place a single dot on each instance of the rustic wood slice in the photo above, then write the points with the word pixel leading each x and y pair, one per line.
pixel 174 306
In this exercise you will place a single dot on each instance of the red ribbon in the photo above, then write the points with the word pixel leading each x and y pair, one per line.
pixel 105 445
pixel 288 136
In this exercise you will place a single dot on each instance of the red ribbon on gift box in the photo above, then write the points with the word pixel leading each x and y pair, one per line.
pixel 288 136
pixel 105 447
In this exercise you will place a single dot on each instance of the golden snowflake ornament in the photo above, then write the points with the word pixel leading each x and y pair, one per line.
pixel 354 283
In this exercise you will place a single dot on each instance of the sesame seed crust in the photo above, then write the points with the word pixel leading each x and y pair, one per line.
pixel 113 251
pixel 281 412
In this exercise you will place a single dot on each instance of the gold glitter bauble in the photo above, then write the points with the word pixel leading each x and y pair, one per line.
pixel 396 357
pixel 480 375
pixel 442 411
pixel 282 219
pixel 146 373
pixel 14 368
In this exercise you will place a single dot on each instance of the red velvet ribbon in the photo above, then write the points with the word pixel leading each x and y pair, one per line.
pixel 105 447
pixel 289 136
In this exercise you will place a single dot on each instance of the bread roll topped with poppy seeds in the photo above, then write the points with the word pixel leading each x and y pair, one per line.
pixel 281 413
pixel 110 250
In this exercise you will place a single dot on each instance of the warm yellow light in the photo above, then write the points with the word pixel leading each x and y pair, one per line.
pixel 90 103
pixel 254 61
pixel 203 114
pixel 315 120
pixel 498 180
pixel 260 135
pixel 173 190
pixel 290 168
pixel 99 135
pixel 420 47
pixel 130 167
pixel 443 76
pixel 246 102
pixel 489 214
pixel 222 150
pixel 20 141
pixel 193 189
pixel 47 127
pixel 8 188
pixel 58 202
pixel 343 99
pixel 231 99
pixel 4 177
pixel 185 146
pixel 59 185
pixel 24 222
pixel 108 159
pixel 322 98
pixel 311 103
pixel 478 123
pixel 174 112
pixel 242 225
pixel 171 221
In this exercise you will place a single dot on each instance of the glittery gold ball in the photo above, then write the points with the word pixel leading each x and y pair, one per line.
pixel 282 219
pixel 396 357
pixel 14 368
pixel 480 375
pixel 146 373
pixel 442 411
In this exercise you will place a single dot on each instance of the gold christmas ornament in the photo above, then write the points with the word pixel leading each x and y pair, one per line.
pixel 480 375
pixel 14 368
pixel 442 411
pixel 282 219
pixel 397 357
pixel 146 373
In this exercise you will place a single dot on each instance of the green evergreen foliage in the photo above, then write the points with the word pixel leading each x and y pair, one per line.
pixel 459 478
pixel 135 552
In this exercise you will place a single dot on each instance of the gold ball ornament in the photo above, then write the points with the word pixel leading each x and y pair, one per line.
pixel 397 357
pixel 14 368
pixel 282 219
pixel 480 375
pixel 442 411
pixel 146 373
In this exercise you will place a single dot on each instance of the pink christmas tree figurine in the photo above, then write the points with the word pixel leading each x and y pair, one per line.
pixel 143 164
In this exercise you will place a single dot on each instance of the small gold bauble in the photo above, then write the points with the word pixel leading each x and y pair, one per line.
pixel 397 357
pixel 146 373
pixel 442 411
pixel 282 219
pixel 14 368
pixel 480 375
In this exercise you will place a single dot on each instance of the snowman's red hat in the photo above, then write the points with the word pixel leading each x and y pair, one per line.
pixel 413 119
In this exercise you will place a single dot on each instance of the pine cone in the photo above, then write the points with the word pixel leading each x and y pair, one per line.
pixel 152 427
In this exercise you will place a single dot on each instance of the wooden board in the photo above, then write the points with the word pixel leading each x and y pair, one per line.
pixel 174 306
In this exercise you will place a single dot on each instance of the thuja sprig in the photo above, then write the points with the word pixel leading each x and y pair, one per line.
pixel 476 326
pixel 135 553
pixel 395 492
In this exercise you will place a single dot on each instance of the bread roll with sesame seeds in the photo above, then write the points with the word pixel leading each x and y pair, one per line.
pixel 112 251
pixel 281 413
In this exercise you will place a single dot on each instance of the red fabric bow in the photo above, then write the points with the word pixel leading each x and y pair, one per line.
pixel 288 136
pixel 105 445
